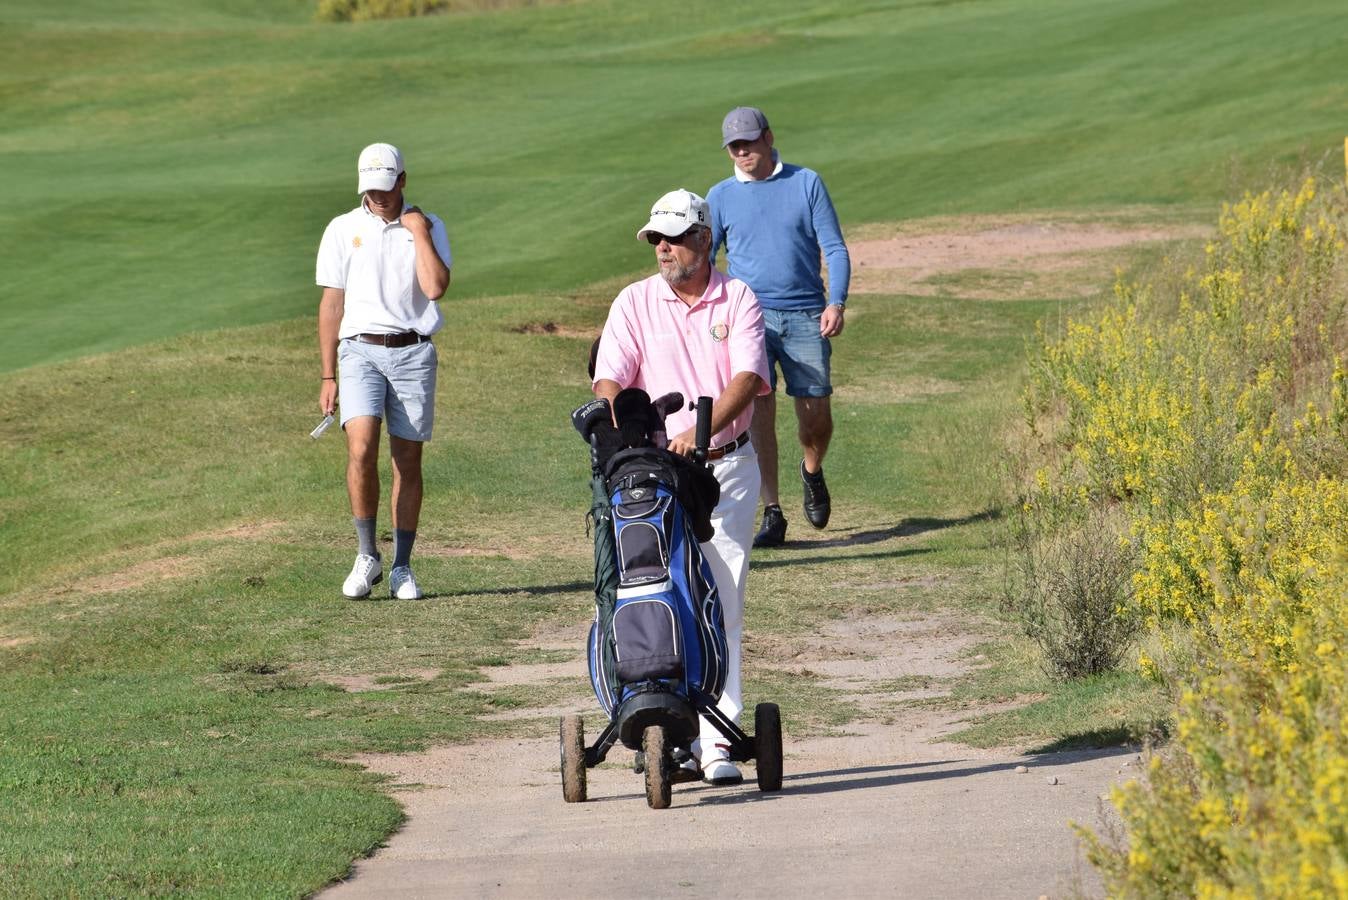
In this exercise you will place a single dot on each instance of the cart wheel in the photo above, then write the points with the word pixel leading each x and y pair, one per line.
pixel 657 766
pixel 639 763
pixel 768 746
pixel 573 759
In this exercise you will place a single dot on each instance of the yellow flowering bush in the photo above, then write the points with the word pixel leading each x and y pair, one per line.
pixel 1251 800
pixel 1215 412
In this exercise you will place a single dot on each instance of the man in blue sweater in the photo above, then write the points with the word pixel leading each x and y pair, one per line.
pixel 773 219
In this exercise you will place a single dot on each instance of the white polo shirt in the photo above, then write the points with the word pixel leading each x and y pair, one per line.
pixel 374 262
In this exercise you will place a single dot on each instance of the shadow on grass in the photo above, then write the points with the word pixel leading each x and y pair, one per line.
pixel 757 564
pixel 537 590
pixel 904 528
pixel 1128 738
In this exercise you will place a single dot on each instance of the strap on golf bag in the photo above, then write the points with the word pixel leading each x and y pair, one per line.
pixel 602 651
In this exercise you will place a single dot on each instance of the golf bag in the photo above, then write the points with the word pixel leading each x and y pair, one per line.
pixel 658 621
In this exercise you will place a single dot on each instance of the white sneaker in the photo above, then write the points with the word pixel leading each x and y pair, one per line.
pixel 403 584
pixel 366 573
pixel 721 772
pixel 717 768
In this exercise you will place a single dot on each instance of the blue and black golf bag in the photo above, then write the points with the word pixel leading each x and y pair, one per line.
pixel 665 622
pixel 657 648
pixel 658 625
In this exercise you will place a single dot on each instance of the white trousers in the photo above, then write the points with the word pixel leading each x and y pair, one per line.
pixel 728 555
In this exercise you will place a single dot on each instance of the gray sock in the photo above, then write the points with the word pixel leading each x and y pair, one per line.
pixel 365 535
pixel 402 546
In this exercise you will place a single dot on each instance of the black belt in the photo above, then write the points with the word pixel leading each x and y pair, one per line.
pixel 718 452
pixel 399 339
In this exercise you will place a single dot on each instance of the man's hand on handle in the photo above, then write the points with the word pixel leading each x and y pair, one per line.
pixel 683 444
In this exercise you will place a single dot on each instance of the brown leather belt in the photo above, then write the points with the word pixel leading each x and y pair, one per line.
pixel 400 339
pixel 718 452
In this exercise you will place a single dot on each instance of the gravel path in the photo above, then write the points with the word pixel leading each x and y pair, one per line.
pixel 877 814
pixel 888 810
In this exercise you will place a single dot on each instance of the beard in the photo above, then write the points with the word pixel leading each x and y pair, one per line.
pixel 676 274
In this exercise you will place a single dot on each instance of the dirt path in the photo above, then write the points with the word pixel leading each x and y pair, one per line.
pixel 891 809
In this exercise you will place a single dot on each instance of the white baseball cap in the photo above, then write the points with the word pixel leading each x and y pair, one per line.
pixel 379 167
pixel 675 213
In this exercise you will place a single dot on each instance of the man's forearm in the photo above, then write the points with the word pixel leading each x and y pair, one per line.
pixel 734 399
pixel 605 389
pixel 330 309
pixel 432 273
pixel 839 274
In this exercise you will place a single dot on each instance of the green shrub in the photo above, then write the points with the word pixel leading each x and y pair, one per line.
pixel 1071 593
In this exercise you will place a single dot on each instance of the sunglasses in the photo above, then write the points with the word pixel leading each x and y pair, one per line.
pixel 677 240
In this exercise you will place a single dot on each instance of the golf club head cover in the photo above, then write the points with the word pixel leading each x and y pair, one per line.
pixel 635 417
pixel 588 416
pixel 604 442
pixel 663 406
pixel 667 403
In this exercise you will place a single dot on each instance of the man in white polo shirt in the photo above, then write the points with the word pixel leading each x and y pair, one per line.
pixel 382 268
pixel 693 330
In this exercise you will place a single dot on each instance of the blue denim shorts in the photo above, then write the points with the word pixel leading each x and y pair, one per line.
pixel 794 343
pixel 396 384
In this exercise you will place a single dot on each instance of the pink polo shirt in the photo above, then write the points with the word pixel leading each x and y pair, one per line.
pixel 655 342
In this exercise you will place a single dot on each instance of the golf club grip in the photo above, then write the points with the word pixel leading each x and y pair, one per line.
pixel 703 433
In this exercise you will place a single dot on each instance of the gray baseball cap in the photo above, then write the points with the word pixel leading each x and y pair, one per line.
pixel 743 123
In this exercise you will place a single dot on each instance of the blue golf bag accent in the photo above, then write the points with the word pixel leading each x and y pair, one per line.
pixel 664 624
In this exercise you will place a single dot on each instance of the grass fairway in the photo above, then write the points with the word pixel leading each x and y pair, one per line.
pixel 175 162
pixel 171 642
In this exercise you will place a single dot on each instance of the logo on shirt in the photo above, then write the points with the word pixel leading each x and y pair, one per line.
pixel 355 242
pixel 720 331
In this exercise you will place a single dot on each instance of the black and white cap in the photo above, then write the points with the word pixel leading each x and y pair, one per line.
pixel 675 213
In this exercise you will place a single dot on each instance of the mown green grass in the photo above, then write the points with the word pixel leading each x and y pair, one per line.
pixel 185 157
pixel 169 621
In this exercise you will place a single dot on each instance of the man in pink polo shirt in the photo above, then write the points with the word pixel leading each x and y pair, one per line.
pixel 693 330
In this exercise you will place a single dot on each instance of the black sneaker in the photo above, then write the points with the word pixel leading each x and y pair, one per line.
pixel 773 532
pixel 817 505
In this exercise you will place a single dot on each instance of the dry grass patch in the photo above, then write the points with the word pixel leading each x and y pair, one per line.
pixel 553 328
pixel 1005 257
pixel 357 684
pixel 880 389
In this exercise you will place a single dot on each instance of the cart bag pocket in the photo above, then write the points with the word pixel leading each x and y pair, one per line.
pixel 642 529
pixel 646 634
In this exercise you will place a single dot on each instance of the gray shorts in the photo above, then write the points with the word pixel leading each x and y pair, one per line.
pixel 396 384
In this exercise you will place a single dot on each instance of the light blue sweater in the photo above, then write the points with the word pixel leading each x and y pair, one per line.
pixel 773 230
